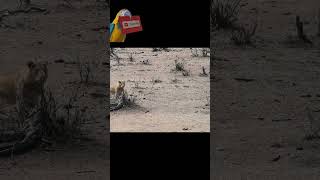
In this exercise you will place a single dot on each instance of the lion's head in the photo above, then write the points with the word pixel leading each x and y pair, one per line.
pixel 32 83
pixel 37 73
pixel 121 84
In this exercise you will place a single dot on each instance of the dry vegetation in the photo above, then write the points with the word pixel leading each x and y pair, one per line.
pixel 69 127
pixel 167 90
pixel 266 95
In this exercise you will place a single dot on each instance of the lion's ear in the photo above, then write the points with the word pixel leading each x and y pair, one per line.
pixel 30 64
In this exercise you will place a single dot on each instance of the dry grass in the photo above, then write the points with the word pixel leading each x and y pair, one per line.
pixel 314 130
pixel 160 49
pixel 194 52
pixel 131 59
pixel 179 66
pixel 56 119
pixel 204 52
pixel 87 70
pixel 224 13
pixel 63 120
pixel 145 62
pixel 204 73
pixel 114 55
pixel 186 73
pixel 244 35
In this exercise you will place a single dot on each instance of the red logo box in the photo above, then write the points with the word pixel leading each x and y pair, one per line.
pixel 130 24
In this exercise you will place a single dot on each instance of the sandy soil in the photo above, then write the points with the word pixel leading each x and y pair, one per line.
pixel 259 126
pixel 165 100
pixel 64 33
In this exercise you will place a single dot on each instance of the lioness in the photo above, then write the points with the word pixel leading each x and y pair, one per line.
pixel 25 86
pixel 118 89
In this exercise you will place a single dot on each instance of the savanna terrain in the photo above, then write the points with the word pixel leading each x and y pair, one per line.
pixel 168 88
pixel 71 37
pixel 266 93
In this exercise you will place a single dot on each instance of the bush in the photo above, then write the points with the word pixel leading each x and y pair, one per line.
pixel 243 36
pixel 62 122
pixel 224 13
pixel 179 66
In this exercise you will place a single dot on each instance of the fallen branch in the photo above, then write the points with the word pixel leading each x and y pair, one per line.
pixel 116 104
pixel 31 138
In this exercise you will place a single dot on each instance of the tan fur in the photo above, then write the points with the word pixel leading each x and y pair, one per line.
pixel 118 89
pixel 25 85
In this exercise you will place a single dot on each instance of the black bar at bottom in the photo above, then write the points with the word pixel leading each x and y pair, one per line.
pixel 160 155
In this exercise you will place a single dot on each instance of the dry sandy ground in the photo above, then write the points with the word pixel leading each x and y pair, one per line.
pixel 165 100
pixel 258 127
pixel 63 33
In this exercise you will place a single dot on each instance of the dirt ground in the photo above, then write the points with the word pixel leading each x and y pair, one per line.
pixel 261 93
pixel 165 100
pixel 60 36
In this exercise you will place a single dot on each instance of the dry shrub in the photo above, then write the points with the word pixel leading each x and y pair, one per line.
pixel 186 73
pixel 131 59
pixel 175 80
pixel 204 73
pixel 179 66
pixel 224 13
pixel 244 35
pixel 160 49
pixel 114 55
pixel 145 62
pixel 87 70
pixel 314 130
pixel 194 52
pixel 62 121
pixel 205 52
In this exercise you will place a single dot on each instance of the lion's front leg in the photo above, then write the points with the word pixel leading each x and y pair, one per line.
pixel 20 104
